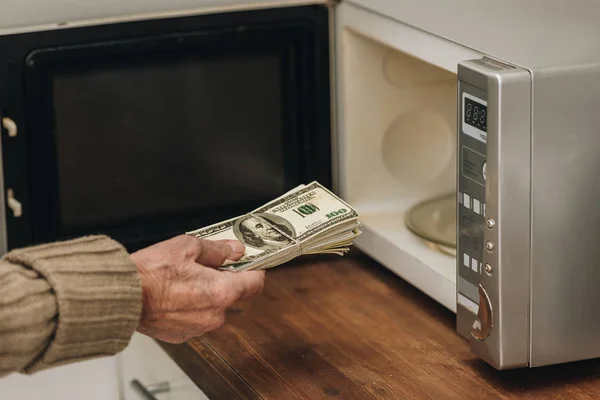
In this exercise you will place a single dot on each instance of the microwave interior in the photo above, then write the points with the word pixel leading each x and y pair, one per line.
pixel 398 157
pixel 145 130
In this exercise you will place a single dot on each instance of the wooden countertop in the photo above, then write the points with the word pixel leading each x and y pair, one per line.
pixel 346 328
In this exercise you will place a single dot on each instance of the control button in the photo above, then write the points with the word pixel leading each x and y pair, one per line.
pixel 484 171
pixel 466 260
pixel 476 206
pixel 488 269
pixel 482 327
pixel 474 265
pixel 490 223
pixel 489 246
pixel 467 201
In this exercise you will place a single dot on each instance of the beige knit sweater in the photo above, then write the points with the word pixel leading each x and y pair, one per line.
pixel 66 302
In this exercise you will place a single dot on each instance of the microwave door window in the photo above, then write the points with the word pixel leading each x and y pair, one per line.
pixel 139 139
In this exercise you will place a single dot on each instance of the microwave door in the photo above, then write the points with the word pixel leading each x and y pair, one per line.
pixel 493 216
pixel 143 130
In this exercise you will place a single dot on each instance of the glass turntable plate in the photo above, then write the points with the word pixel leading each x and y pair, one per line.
pixel 434 221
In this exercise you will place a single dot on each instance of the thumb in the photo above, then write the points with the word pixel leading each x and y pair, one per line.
pixel 214 253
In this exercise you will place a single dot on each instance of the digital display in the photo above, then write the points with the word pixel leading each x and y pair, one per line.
pixel 475 114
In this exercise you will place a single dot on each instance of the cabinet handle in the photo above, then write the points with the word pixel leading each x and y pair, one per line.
pixel 149 391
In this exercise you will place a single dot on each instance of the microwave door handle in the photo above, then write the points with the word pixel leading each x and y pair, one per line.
pixel 482 327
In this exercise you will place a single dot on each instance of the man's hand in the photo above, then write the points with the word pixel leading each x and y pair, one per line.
pixel 185 295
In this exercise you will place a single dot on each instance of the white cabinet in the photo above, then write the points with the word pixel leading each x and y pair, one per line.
pixel 90 380
pixel 146 362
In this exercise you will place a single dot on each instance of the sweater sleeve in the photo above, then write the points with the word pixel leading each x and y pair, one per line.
pixel 66 302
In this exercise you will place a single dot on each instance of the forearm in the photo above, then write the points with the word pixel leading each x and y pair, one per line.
pixel 66 302
pixel 28 314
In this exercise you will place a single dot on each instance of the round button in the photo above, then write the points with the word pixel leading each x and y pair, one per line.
pixel 488 269
pixel 484 171
pixel 490 223
pixel 489 246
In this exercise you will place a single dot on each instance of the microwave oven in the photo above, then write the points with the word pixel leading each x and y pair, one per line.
pixel 468 139
pixel 479 124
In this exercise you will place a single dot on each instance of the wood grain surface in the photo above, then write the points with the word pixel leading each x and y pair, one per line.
pixel 346 328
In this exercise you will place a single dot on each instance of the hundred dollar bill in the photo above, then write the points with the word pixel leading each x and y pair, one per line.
pixel 307 220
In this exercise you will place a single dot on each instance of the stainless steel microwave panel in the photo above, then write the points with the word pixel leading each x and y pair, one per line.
pixel 529 183
pixel 565 250
pixel 494 125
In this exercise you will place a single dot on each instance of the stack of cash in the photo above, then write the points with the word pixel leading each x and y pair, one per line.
pixel 307 220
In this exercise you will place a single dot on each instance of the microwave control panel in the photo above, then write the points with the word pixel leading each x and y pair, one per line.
pixel 494 210
pixel 472 145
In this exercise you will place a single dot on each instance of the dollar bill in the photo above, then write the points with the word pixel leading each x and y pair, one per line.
pixel 307 220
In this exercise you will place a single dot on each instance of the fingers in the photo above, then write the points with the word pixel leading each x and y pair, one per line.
pixel 185 294
pixel 180 326
pixel 246 284
pixel 214 253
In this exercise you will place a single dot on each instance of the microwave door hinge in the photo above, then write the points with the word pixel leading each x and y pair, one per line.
pixel 14 204
pixel 10 126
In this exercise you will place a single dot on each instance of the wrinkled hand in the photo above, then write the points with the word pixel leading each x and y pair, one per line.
pixel 184 295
